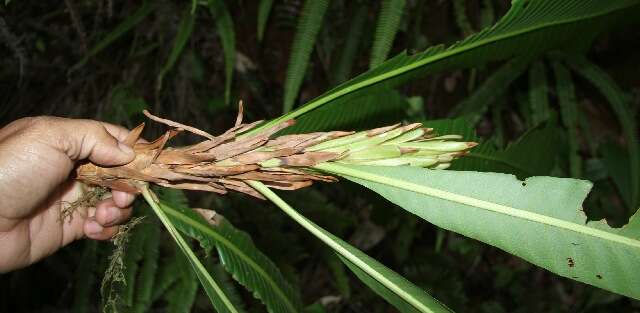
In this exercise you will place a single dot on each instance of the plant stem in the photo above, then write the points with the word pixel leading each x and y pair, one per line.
pixel 203 275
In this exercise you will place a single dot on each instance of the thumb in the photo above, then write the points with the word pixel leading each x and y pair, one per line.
pixel 88 139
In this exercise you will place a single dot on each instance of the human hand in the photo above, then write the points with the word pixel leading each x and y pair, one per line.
pixel 37 155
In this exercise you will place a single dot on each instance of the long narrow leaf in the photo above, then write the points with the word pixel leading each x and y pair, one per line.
pixel 240 257
pixel 264 9
pixel 303 42
pixel 220 301
pixel 126 25
pixel 226 32
pixel 528 28
pixel 401 293
pixel 553 232
pixel 569 111
pixel 347 55
pixel 610 90
pixel 491 89
pixel 182 37
pixel 386 29
pixel 538 93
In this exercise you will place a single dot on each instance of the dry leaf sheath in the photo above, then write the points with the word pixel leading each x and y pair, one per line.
pixel 225 162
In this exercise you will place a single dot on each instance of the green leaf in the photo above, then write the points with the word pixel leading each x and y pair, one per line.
pixel 569 111
pixel 85 278
pixel 459 10
pixel 224 26
pixel 240 257
pixel 538 93
pixel 491 89
pixel 182 38
pixel 145 283
pixel 264 9
pixel 552 230
pixel 534 153
pixel 219 299
pixel 610 90
pixel 386 29
pixel 181 297
pixel 378 108
pixel 126 25
pixel 401 293
pixel 528 28
pixel 347 55
pixel 310 22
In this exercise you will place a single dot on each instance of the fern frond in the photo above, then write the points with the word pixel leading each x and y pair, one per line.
pixel 348 53
pixel 146 281
pixel 460 12
pixel 386 29
pixel 490 90
pixel 620 106
pixel 308 26
pixel 250 267
pixel 538 93
pixel 529 28
pixel 181 297
pixel 569 111
pixel 264 9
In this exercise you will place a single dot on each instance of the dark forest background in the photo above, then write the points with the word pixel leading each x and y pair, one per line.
pixel 76 59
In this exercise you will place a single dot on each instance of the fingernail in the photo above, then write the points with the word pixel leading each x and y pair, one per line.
pixel 125 149
pixel 93 228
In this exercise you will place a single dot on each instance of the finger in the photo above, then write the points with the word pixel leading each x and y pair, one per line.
pixel 122 199
pixel 86 139
pixel 108 214
pixel 96 231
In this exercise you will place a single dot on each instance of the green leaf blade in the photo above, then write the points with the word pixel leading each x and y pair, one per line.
pixel 310 22
pixel 241 258
pixel 528 28
pixel 552 229
pixel 400 292
pixel 386 29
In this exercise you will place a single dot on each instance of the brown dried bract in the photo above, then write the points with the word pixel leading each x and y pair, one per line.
pixel 218 164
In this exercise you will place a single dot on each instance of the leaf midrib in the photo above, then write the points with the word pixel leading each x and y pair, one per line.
pixel 232 247
pixel 407 68
pixel 482 204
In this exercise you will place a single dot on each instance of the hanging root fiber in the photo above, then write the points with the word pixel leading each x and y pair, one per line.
pixel 225 162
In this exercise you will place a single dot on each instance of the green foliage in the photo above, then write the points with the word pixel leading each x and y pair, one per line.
pixel 535 153
pixel 224 26
pixel 179 43
pixel 130 22
pixel 239 256
pixel 303 43
pixel 219 299
pixel 620 105
pixel 264 9
pixel 553 231
pixel 524 30
pixel 491 89
pixel 538 93
pixel 348 54
pixel 386 29
pixel 398 291
pixel 569 109
pixel 383 107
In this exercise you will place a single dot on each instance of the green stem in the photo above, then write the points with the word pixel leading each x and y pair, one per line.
pixel 334 243
pixel 203 274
